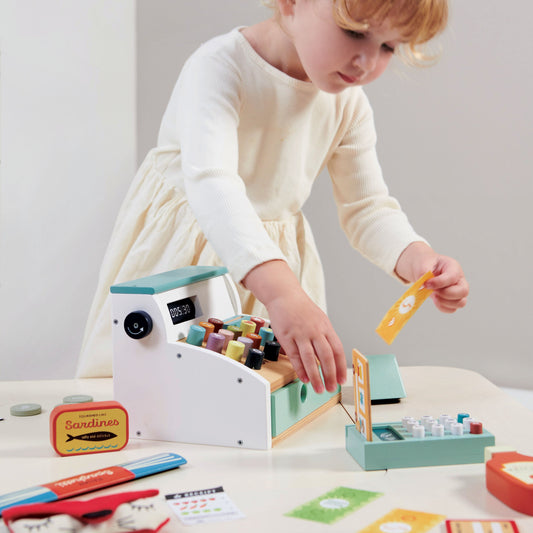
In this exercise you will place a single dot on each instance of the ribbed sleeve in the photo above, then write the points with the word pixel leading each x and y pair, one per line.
pixel 372 219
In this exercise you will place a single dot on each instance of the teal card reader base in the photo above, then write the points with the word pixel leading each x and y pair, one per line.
pixel 386 384
pixel 393 447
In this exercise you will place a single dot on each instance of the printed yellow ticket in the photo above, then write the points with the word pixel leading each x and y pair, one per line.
pixel 404 309
pixel 403 520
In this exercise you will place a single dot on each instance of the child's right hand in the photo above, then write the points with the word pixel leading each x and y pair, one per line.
pixel 301 327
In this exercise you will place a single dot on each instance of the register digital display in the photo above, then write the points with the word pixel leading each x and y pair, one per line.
pixel 182 310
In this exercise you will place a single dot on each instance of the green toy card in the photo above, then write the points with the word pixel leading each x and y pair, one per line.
pixel 334 505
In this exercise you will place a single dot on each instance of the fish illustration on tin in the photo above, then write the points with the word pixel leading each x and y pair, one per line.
pixel 93 436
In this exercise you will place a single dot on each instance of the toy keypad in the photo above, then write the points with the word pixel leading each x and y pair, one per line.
pixel 425 442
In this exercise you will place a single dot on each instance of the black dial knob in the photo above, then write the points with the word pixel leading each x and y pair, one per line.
pixel 138 324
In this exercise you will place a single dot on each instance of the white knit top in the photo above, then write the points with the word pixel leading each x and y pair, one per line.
pixel 240 146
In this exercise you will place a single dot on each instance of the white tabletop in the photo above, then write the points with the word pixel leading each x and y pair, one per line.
pixel 265 485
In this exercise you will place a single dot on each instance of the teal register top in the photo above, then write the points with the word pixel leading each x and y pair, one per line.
pixel 167 281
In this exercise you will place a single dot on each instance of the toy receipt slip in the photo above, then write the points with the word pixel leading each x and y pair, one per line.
pixel 203 506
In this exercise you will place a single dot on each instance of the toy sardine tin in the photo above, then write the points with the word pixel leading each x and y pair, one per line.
pixel 91 427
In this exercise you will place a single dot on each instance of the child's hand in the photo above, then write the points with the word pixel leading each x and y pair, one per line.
pixel 301 327
pixel 450 288
pixel 306 335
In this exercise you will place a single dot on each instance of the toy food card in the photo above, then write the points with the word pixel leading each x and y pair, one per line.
pixel 361 388
pixel 403 520
pixel 403 309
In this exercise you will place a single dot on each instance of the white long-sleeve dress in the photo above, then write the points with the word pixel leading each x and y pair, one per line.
pixel 239 148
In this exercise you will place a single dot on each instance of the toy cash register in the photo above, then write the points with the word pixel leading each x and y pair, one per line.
pixel 184 392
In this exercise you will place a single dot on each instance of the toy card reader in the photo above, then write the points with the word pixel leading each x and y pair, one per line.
pixel 386 382
pixel 410 442
pixel 178 391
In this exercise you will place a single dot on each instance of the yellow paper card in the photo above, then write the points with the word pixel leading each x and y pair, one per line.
pixel 403 309
pixel 405 521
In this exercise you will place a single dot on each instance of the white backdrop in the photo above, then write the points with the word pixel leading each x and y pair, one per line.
pixel 67 140
pixel 452 142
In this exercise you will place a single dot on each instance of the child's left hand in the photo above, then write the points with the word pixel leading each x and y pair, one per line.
pixel 450 288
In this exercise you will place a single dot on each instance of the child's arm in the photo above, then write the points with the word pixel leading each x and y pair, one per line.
pixel 300 326
pixel 450 288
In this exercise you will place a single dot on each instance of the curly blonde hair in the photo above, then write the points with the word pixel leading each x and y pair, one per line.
pixel 419 21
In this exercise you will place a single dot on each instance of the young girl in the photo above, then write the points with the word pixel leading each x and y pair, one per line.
pixel 255 116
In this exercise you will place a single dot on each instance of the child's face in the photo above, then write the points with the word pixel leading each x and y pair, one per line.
pixel 333 58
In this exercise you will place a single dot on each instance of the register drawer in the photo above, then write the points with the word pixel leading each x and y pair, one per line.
pixel 292 403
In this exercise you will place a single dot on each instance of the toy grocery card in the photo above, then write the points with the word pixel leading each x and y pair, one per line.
pixel 403 520
pixel 398 315
pixel 334 505
pixel 361 389
pixel 481 526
